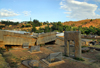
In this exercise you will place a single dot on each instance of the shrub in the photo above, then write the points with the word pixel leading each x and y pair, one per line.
pixel 84 46
pixel 42 45
pixel 22 26
pixel 80 59
pixel 91 20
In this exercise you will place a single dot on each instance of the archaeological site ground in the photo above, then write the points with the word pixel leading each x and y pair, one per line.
pixel 48 51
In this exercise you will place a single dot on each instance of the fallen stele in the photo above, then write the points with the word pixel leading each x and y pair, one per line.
pixel 31 63
pixel 34 49
pixel 53 59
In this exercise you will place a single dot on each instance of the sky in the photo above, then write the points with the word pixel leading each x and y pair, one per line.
pixel 49 10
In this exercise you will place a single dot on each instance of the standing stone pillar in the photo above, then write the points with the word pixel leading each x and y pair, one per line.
pixel 67 42
pixel 76 37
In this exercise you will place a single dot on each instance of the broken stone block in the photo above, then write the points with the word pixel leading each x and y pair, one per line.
pixel 33 63
pixel 34 48
pixel 85 49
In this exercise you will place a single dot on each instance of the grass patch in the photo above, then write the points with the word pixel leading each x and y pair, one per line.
pixel 79 59
pixel 97 46
pixel 11 49
pixel 3 63
pixel 2 50
pixel 13 64
pixel 42 45
pixel 84 46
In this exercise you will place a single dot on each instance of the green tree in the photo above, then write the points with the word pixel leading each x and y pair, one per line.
pixel 87 31
pixel 98 31
pixel 92 29
pixel 59 23
pixel 9 23
pixel 36 23
pixel 68 28
pixel 22 26
pixel 75 28
pixel 60 28
pixel 47 29
pixel 64 27
pixel 33 29
pixel 54 27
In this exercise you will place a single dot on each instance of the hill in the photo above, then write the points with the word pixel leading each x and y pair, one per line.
pixel 84 23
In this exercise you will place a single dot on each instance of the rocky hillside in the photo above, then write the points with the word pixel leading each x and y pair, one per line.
pixel 84 23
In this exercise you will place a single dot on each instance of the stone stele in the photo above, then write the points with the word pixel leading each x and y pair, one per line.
pixel 72 36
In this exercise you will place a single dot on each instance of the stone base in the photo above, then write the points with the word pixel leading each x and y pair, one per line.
pixel 52 64
pixel 25 63
pixel 35 52
pixel 29 65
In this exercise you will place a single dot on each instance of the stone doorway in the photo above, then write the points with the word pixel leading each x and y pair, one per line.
pixel 74 36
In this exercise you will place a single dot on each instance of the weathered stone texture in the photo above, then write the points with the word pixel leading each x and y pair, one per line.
pixel 47 37
pixel 73 36
pixel 34 48
pixel 11 38
pixel 59 41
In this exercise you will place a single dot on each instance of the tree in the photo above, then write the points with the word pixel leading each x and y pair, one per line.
pixel 59 23
pixel 75 28
pixel 64 27
pixel 60 28
pixel 28 25
pixel 68 28
pixel 92 29
pixel 47 29
pixel 1 26
pixel 33 29
pixel 87 31
pixel 54 27
pixel 36 23
pixel 22 26
pixel 98 31
pixel 9 23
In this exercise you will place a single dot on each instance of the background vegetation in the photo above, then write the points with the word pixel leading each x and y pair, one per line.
pixel 56 26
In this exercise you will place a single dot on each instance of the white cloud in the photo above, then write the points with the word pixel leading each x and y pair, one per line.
pixel 26 13
pixel 98 9
pixel 7 13
pixel 97 0
pixel 79 10
pixel 14 20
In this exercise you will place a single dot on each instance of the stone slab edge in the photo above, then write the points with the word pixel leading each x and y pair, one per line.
pixel 53 64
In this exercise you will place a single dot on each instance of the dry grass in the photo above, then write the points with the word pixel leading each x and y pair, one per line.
pixel 3 63
pixel 15 57
pixel 84 23
pixel 97 46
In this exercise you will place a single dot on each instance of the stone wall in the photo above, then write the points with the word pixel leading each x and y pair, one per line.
pixel 11 38
pixel 46 37
pixel 59 41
